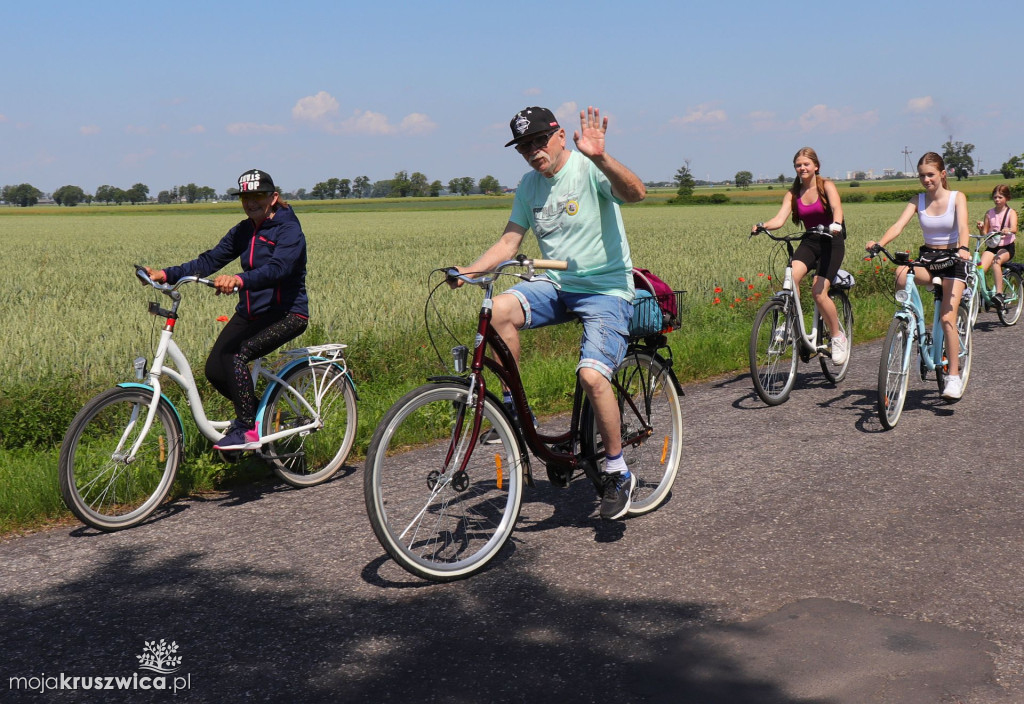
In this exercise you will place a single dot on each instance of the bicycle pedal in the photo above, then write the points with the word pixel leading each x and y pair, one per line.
pixel 559 475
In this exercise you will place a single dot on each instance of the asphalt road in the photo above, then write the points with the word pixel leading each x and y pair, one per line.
pixel 805 556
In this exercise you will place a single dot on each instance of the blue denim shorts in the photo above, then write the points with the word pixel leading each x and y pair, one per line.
pixel 605 321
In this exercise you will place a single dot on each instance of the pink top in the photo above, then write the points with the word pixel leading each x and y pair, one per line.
pixel 995 222
pixel 812 215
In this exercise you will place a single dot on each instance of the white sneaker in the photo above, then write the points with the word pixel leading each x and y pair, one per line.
pixel 840 349
pixel 953 388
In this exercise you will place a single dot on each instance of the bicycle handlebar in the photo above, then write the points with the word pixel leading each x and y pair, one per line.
pixel 485 278
pixel 793 237
pixel 143 276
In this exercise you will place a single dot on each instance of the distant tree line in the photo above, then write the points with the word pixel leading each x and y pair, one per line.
pixel 403 185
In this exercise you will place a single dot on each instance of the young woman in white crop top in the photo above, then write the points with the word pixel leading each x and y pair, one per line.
pixel 943 217
pixel 1001 218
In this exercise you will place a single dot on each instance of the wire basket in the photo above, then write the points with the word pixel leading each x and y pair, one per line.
pixel 653 315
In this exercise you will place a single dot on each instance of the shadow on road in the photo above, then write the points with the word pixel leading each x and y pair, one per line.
pixel 503 636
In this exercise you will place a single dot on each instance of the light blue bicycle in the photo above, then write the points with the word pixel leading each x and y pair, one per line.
pixel 908 329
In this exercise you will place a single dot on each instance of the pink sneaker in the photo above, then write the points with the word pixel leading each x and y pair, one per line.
pixel 239 439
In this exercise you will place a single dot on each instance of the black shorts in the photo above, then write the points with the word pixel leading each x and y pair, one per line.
pixel 1009 248
pixel 957 270
pixel 822 254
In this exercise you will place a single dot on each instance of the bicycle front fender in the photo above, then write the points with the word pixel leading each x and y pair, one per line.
pixel 163 397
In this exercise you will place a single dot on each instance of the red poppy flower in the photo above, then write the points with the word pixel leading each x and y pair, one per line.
pixel 717 301
pixel 742 279
pixel 718 289
pixel 750 286
pixel 222 318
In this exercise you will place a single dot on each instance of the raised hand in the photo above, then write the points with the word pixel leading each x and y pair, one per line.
pixel 589 138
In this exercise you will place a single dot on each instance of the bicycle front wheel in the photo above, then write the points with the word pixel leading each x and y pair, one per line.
pixel 894 372
pixel 1009 314
pixel 773 355
pixel 100 482
pixel 437 519
pixel 647 397
pixel 835 374
pixel 974 286
pixel 311 457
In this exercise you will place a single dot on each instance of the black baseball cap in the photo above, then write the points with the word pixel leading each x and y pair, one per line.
pixel 253 181
pixel 529 122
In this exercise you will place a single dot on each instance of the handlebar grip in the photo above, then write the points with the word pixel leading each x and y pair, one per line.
pixel 550 264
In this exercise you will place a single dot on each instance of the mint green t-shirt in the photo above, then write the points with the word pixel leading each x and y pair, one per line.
pixel 577 219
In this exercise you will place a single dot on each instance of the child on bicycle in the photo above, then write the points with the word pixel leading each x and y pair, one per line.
pixel 1002 218
pixel 942 214
pixel 571 202
pixel 814 201
pixel 272 307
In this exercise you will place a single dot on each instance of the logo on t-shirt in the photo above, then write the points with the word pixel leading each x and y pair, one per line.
pixel 572 207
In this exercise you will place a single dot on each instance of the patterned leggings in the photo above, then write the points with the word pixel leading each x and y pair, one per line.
pixel 240 342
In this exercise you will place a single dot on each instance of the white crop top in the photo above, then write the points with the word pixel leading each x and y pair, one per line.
pixel 938 229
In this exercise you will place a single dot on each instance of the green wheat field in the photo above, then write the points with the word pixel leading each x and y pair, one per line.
pixel 73 316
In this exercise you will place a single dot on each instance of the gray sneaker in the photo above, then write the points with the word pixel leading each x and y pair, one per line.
pixel 618 492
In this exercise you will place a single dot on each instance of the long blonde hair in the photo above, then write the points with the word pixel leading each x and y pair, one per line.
pixel 819 182
pixel 933 158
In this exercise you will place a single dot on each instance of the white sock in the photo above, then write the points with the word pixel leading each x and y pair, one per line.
pixel 615 465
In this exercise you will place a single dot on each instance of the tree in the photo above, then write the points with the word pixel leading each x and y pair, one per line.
pixel 1013 167
pixel 137 193
pixel 361 186
pixel 489 185
pixel 860 176
pixel 380 189
pixel 69 196
pixel 105 193
pixel 164 197
pixel 684 180
pixel 453 186
pixel 781 178
pixel 400 185
pixel 435 189
pixel 463 186
pixel 418 184
pixel 957 156
pixel 344 188
pixel 23 194
pixel 744 179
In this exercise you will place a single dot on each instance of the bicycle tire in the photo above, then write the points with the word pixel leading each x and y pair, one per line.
pixel 435 521
pixel 309 459
pixel 772 340
pixel 655 459
pixel 894 372
pixel 98 486
pixel 1013 288
pixel 844 309
pixel 974 284
pixel 965 337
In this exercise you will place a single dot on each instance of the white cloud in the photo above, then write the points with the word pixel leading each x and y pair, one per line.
pixel 417 123
pixel 245 128
pixel 920 104
pixel 567 114
pixel 703 114
pixel 315 108
pixel 834 120
pixel 321 110
pixel 89 129
pixel 195 129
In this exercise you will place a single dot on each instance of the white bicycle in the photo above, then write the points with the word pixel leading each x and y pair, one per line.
pixel 122 451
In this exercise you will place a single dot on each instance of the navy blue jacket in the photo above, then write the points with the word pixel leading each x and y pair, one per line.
pixel 273 261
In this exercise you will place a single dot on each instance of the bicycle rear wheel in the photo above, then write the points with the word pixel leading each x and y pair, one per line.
pixel 313 457
pixel 894 372
pixel 773 354
pixel 1009 314
pixel 647 396
pixel 434 518
pixel 844 309
pixel 99 483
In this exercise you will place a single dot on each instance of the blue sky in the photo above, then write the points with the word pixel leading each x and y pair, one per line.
pixel 171 93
